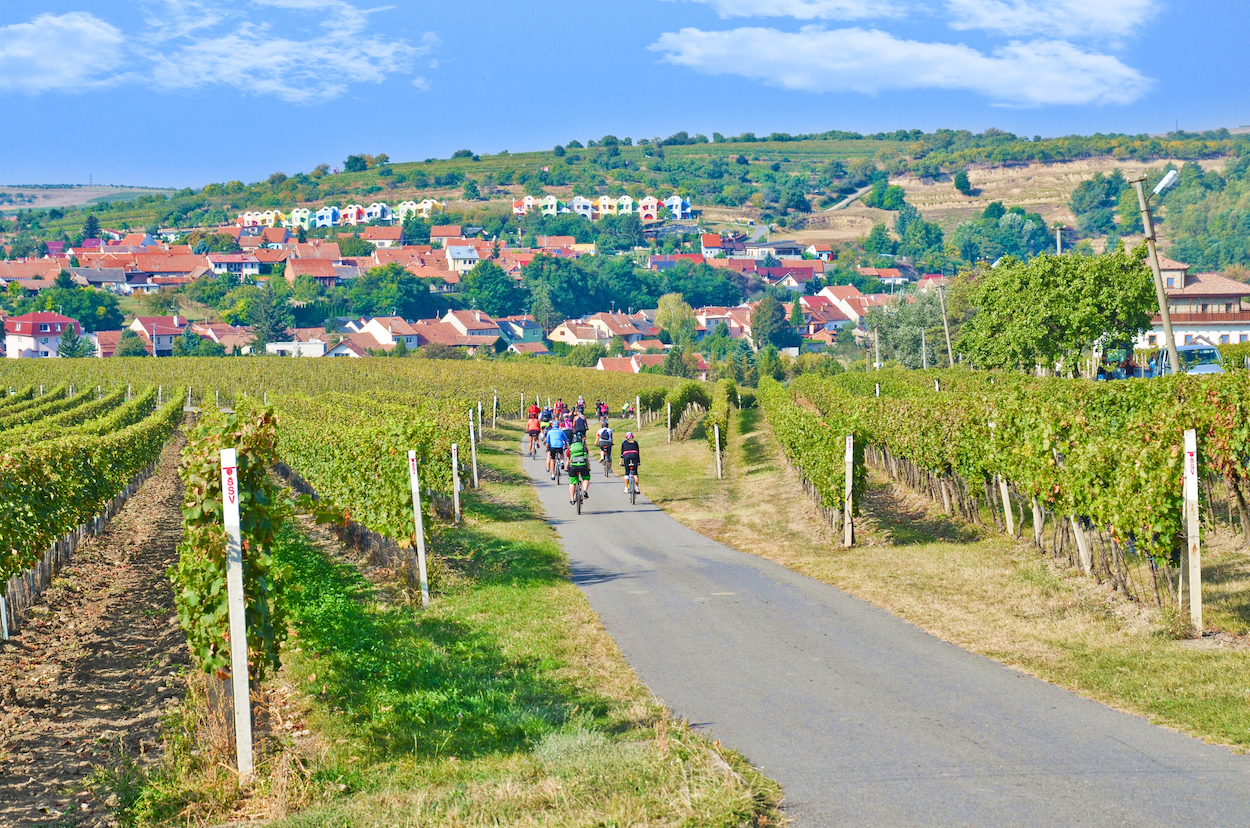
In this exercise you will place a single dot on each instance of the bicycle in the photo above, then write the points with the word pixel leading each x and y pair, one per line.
pixel 559 469
pixel 578 496
pixel 631 481
pixel 606 461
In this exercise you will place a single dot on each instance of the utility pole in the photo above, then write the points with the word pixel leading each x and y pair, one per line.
pixel 876 343
pixel 950 354
pixel 1058 239
pixel 924 354
pixel 1160 293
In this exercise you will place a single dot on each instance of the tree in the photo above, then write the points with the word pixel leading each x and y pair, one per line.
pixel 91 227
pixel 585 356
pixel 301 235
pixel 160 303
pixel 493 291
pixel 879 241
pixel 675 364
pixel 617 347
pixel 270 317
pixel 130 345
pixel 437 350
pixel 797 322
pixel 355 163
pixel 768 364
pixel 962 184
pixel 1053 307
pixel 676 318
pixel 74 346
pixel 768 324
pixel 354 246
pixel 471 191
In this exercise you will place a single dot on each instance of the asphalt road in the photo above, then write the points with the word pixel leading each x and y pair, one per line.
pixel 864 719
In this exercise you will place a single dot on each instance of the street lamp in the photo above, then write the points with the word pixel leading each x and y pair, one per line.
pixel 1149 228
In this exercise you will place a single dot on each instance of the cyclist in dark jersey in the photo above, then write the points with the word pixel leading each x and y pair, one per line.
pixel 631 458
pixel 580 426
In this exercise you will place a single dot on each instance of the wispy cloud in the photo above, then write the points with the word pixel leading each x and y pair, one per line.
pixel 66 51
pixel 189 44
pixel 1077 19
pixel 806 9
pixel 869 61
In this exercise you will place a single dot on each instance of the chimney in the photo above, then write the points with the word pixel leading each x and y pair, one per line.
pixel 477 316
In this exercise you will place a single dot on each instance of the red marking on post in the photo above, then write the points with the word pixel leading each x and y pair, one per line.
pixel 231 489
pixel 412 464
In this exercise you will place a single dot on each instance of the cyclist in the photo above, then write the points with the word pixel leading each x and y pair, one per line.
pixel 625 411
pixel 580 426
pixel 557 442
pixel 631 458
pixel 579 467
pixel 559 407
pixel 534 427
pixel 581 404
pixel 604 439
pixel 532 411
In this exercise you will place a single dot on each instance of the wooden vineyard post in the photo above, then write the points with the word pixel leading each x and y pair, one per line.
pixel 160 393
pixel 456 485
pixel 238 614
pixel 716 431
pixel 494 413
pixel 419 524
pixel 638 410
pixel 1007 513
pixel 479 431
pixel 1082 546
pixel 522 405
pixel 1193 545
pixel 670 422
pixel 848 529
pixel 473 448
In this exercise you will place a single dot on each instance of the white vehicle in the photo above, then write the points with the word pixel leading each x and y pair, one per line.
pixel 1197 357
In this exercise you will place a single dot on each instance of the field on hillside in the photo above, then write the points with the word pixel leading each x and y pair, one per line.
pixel 45 198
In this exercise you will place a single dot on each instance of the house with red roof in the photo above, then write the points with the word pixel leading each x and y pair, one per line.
pixel 320 269
pixel 35 335
pixel 384 237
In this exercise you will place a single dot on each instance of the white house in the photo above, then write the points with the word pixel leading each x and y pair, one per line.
pixel 461 258
pixel 523 205
pixel 583 206
pixel 378 211
pixel 35 335
pixel 240 264
pixel 552 206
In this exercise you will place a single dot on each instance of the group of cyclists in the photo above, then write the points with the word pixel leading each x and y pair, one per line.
pixel 562 430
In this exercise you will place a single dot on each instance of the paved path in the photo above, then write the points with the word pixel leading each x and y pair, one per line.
pixel 864 719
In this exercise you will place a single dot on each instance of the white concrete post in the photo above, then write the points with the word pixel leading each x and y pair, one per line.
pixel 1192 527
pixel 4 617
pixel 670 422
pixel 160 393
pixel 716 429
pixel 473 448
pixel 479 427
pixel 494 413
pixel 848 530
pixel 638 410
pixel 878 389
pixel 419 523
pixel 238 614
pixel 455 483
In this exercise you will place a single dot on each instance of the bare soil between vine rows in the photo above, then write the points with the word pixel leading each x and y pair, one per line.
pixel 86 681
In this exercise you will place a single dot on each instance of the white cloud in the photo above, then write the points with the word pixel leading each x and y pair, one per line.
pixel 188 44
pixel 1111 19
pixel 805 9
pixel 421 83
pixel 815 59
pixel 67 51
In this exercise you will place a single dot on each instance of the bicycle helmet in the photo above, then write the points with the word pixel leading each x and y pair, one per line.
pixel 629 435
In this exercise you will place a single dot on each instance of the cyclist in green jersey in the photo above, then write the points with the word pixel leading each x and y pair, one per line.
pixel 579 466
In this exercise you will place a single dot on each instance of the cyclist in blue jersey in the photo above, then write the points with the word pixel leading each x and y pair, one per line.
pixel 557 443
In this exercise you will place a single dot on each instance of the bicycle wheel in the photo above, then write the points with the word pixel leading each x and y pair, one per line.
pixel 559 468
pixel 633 490
pixel 577 495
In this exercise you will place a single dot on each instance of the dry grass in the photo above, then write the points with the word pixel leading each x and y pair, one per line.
pixel 976 589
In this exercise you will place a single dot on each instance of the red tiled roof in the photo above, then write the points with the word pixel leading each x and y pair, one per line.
pixel 316 268
pixel 445 231
pixel 621 365
pixel 710 240
pixel 107 342
pixel 1210 284
pixel 27 324
pixel 382 233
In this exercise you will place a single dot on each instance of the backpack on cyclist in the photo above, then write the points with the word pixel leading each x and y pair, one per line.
pixel 578 455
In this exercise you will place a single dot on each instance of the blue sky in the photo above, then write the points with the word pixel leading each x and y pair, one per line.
pixel 185 92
